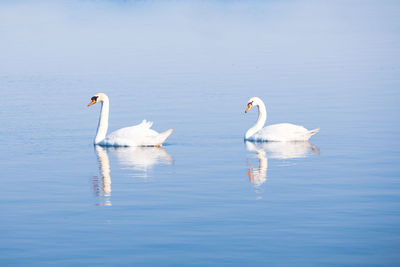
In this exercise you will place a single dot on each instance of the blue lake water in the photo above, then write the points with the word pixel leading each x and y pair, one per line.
pixel 206 197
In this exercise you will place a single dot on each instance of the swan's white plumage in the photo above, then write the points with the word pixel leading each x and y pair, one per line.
pixel 283 132
pixel 138 135
pixel 276 132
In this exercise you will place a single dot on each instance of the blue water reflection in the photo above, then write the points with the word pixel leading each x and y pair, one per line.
pixel 274 150
pixel 139 160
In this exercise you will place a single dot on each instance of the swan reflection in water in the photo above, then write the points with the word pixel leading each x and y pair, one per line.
pixel 139 159
pixel 275 150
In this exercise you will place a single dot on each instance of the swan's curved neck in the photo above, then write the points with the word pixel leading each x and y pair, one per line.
pixel 262 118
pixel 103 121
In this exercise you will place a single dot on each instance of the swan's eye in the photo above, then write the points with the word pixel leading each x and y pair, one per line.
pixel 94 98
pixel 250 103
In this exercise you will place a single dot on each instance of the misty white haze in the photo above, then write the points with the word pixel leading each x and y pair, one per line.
pixel 232 37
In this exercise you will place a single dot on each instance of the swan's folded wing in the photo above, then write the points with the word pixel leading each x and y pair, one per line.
pixel 142 129
pixel 282 132
pixel 136 135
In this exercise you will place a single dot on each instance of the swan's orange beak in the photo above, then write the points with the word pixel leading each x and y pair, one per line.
pixel 91 103
pixel 249 106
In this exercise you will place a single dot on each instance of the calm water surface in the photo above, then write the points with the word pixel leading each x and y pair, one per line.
pixel 206 197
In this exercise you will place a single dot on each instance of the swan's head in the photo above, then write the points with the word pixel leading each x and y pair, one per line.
pixel 254 101
pixel 99 97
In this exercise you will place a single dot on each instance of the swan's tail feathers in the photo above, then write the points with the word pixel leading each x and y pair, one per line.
pixel 312 132
pixel 163 136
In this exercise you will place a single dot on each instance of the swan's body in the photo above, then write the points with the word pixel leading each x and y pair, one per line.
pixel 138 135
pixel 275 132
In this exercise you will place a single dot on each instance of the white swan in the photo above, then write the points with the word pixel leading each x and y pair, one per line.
pixel 138 135
pixel 275 132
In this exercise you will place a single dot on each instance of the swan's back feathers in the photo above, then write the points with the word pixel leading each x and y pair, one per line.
pixel 138 135
pixel 283 132
pixel 146 124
